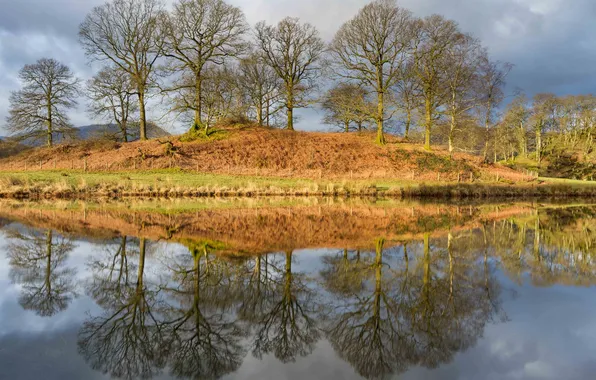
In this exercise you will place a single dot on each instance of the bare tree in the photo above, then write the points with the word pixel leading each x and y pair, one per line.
pixel 491 80
pixel 199 32
pixel 262 87
pixel 222 95
pixel 345 104
pixel 129 34
pixel 111 92
pixel 38 110
pixel 293 50
pixel 435 38
pixel 407 95
pixel 461 68
pixel 372 48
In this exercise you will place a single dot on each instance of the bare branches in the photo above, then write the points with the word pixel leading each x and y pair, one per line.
pixel 111 93
pixel 294 51
pixel 372 48
pixel 199 32
pixel 346 105
pixel 262 86
pixel 38 110
pixel 127 33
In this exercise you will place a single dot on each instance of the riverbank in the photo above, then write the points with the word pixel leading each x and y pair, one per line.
pixel 176 183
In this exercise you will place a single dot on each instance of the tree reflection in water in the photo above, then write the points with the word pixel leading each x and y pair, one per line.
pixel 204 336
pixel 288 327
pixel 38 263
pixel 127 341
pixel 384 310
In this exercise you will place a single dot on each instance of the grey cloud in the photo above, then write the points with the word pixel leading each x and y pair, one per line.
pixel 549 41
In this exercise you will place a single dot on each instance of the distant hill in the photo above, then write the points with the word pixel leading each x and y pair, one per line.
pixel 87 132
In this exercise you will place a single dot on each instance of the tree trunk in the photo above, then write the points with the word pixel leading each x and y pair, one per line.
pixel 487 132
pixel 124 129
pixel 260 113
pixel 451 131
pixel 539 143
pixel 142 115
pixel 268 109
pixel 198 102
pixel 290 107
pixel 523 144
pixel 380 118
pixel 141 268
pixel 347 126
pixel 50 126
pixel 408 123
pixel 290 126
pixel 428 112
pixel 49 260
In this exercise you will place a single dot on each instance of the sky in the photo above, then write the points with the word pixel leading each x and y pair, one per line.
pixel 550 42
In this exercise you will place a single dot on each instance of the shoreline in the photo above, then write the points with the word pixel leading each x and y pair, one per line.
pixel 60 184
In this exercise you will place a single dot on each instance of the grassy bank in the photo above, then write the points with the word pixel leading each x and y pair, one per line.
pixel 175 183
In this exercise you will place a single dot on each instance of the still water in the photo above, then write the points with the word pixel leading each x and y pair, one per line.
pixel 316 290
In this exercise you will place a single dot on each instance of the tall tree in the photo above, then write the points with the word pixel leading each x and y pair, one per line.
pixel 372 48
pixel 111 93
pixel 543 109
pixel 128 33
pixel 345 104
pixel 38 110
pixel 199 32
pixel 491 80
pixel 223 98
pixel 407 95
pixel 516 119
pixel 262 87
pixel 293 50
pixel 435 38
pixel 461 67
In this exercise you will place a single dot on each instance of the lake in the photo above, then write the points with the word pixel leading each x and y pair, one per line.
pixel 297 289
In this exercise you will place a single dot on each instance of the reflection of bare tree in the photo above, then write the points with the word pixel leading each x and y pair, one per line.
pixel 204 337
pixel 258 288
pixel 287 329
pixel 38 260
pixel 344 274
pixel 414 311
pixel 127 341
pixel 458 296
pixel 553 246
pixel 366 329
pixel 113 273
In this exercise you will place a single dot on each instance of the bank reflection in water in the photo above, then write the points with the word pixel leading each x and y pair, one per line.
pixel 198 313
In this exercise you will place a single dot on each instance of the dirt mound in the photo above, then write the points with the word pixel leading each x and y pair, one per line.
pixel 270 152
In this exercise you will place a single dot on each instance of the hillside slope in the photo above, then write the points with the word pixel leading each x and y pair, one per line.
pixel 270 152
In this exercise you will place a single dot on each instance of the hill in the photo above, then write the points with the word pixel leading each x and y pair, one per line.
pixel 88 132
pixel 256 151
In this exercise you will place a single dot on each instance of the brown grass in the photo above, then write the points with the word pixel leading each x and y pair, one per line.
pixel 270 152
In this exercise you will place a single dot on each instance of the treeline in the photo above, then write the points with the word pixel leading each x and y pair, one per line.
pixel 384 68
pixel 546 126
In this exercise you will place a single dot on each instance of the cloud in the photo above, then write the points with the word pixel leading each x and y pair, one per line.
pixel 549 41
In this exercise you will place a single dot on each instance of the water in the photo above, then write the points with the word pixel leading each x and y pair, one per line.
pixel 314 290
